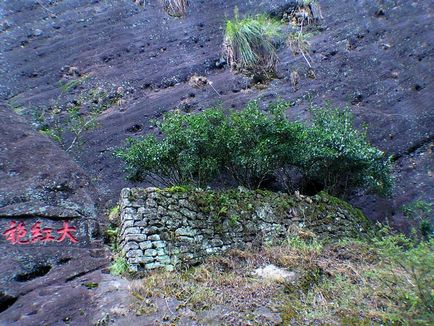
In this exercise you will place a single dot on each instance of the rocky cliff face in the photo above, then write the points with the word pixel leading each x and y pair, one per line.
pixel 373 56
pixel 135 62
pixel 48 226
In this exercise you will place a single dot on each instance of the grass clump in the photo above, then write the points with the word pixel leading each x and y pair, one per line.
pixel 119 266
pixel 250 44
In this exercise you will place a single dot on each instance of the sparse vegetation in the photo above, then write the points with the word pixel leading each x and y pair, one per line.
pixel 73 84
pixel 61 122
pixel 79 123
pixel 388 280
pixel 251 146
pixel 250 44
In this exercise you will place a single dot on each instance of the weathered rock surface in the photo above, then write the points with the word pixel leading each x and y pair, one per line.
pixel 37 177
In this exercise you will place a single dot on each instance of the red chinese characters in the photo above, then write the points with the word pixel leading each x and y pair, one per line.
pixel 65 232
pixel 17 233
pixel 41 235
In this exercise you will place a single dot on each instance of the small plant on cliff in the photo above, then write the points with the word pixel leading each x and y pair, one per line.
pixel 420 211
pixel 119 266
pixel 250 44
pixel 175 8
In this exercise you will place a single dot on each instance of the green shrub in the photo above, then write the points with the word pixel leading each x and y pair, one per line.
pixel 251 146
pixel 257 144
pixel 340 157
pixel 250 44
pixel 189 153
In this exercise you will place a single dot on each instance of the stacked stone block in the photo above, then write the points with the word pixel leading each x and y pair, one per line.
pixel 166 228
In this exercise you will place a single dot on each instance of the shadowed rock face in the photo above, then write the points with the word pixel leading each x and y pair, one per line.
pixel 374 56
pixel 37 177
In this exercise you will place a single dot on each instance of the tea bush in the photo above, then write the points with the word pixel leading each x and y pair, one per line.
pixel 189 153
pixel 256 144
pixel 251 145
pixel 340 157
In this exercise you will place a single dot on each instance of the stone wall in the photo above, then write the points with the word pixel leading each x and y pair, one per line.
pixel 178 227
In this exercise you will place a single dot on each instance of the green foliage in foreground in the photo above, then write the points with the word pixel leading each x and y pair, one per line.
pixel 251 145
pixel 383 280
pixel 416 261
pixel 388 280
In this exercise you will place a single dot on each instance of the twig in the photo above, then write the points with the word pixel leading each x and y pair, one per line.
pixel 39 3
pixel 299 46
pixel 167 305
pixel 211 84
pixel 79 133
pixel 302 53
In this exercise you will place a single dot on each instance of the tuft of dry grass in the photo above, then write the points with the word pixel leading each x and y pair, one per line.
pixel 298 44
pixel 175 8
pixel 250 44
pixel 295 79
